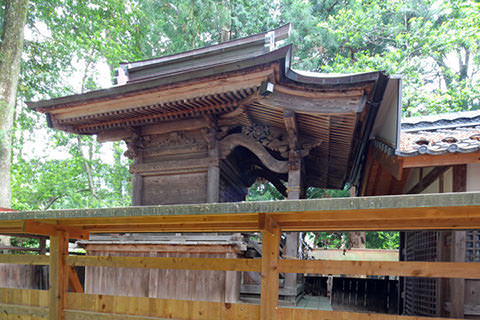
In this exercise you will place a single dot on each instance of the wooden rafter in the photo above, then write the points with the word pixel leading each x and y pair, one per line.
pixel 428 180
pixel 290 121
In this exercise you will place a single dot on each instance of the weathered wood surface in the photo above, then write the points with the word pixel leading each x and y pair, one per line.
pixel 406 212
pixel 58 275
pixel 32 304
pixel 161 308
pixel 269 282
pixel 465 270
pixel 27 259
pixel 308 314
pixel 23 304
pixel 174 263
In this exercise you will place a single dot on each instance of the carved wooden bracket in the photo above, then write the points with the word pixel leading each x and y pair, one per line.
pixel 134 143
pixel 234 140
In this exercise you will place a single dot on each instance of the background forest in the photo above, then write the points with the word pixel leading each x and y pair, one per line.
pixel 73 46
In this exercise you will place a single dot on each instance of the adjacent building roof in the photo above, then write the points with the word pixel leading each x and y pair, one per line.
pixel 439 134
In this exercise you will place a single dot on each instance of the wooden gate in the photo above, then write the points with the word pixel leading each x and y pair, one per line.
pixel 419 212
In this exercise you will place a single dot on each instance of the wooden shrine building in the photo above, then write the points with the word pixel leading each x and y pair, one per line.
pixel 201 126
pixel 432 154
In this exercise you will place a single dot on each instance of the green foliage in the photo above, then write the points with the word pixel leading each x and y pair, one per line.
pixel 263 190
pixel 382 240
pixel 435 45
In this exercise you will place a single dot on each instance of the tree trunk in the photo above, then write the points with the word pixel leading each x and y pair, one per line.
pixel 10 54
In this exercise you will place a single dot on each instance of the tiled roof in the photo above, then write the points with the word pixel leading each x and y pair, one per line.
pixel 439 134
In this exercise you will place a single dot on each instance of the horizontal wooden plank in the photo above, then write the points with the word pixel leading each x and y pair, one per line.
pixel 333 205
pixel 162 308
pixel 21 310
pixel 89 315
pixel 26 297
pixel 467 270
pixel 28 259
pixel 447 159
pixel 308 314
pixel 405 212
pixel 214 264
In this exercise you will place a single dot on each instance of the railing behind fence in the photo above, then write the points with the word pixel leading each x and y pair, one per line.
pixel 446 211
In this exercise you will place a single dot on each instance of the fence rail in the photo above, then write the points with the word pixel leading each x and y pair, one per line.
pixel 419 212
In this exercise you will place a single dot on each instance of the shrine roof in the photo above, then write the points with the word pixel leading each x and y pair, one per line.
pixel 242 82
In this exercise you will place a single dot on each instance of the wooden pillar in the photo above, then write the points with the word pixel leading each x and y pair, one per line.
pixel 58 275
pixel 292 238
pixel 270 257
pixel 457 286
pixel 213 175
pixel 213 181
pixel 232 283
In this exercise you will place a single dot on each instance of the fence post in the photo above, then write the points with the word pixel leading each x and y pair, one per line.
pixel 58 275
pixel 270 257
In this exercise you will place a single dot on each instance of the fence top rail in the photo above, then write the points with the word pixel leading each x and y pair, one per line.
pixel 402 212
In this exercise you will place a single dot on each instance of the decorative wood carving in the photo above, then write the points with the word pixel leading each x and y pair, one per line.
pixel 270 137
pixel 237 139
pixel 134 143
pixel 172 139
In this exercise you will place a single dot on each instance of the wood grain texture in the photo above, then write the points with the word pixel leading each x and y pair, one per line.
pixel 269 282
pixel 23 304
pixel 174 263
pixel 161 308
pixel 307 314
pixel 58 275
pixel 27 259
pixel 469 270
pixel 47 229
pixel 405 212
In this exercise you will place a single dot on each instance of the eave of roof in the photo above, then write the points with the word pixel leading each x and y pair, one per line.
pixel 280 33
pixel 131 88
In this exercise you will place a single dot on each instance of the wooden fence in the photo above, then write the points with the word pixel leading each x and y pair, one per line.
pixel 419 212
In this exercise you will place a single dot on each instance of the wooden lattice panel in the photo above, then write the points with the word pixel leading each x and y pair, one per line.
pixel 420 293
pixel 472 246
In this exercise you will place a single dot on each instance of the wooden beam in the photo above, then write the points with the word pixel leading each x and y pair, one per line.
pixel 120 307
pixel 447 159
pixel 309 105
pixel 74 283
pixel 290 121
pixel 18 311
pixel 398 185
pixel 428 180
pixel 319 94
pixel 58 275
pixel 270 282
pixel 41 260
pixel 459 178
pixel 47 229
pixel 467 270
pixel 393 164
pixel 266 223
pixel 405 212
pixel 309 314
pixel 165 127
pixel 174 263
pixel 165 94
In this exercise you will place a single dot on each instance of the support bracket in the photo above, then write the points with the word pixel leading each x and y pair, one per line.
pixel 47 229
